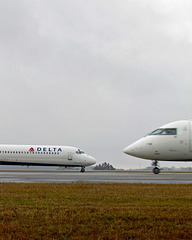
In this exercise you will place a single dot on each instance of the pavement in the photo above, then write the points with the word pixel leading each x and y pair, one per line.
pixel 56 176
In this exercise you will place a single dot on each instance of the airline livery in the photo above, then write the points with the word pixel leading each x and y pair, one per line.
pixel 171 142
pixel 37 155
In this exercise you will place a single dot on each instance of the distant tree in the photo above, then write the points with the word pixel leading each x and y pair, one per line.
pixel 104 166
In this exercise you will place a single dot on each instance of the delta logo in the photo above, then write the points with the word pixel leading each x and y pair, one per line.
pixel 46 149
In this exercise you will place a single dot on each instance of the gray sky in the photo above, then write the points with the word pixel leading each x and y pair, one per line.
pixel 94 74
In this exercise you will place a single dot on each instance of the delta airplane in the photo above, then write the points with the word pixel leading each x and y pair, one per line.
pixel 36 155
pixel 171 142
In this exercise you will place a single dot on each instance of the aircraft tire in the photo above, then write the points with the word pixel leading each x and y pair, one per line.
pixel 156 170
pixel 82 169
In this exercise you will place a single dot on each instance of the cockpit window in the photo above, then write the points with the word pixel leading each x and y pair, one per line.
pixel 79 151
pixel 169 131
pixel 157 131
pixel 165 131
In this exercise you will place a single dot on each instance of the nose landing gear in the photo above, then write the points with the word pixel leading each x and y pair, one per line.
pixel 82 169
pixel 156 170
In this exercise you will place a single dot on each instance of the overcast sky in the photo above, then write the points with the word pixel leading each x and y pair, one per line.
pixel 98 75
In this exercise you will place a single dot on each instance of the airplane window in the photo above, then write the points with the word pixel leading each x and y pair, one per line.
pixel 157 131
pixel 166 131
pixel 79 151
pixel 169 131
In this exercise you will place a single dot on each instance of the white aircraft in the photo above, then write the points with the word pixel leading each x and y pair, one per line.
pixel 171 142
pixel 44 156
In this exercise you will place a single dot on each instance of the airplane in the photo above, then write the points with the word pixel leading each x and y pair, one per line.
pixel 170 142
pixel 42 155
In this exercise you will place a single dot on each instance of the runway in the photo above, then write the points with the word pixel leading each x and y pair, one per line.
pixel 26 176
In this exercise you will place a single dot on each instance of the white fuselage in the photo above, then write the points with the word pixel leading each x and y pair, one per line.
pixel 171 142
pixel 41 155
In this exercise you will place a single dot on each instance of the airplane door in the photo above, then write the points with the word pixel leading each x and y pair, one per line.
pixel 69 156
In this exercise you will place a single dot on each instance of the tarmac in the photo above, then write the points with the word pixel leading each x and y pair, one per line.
pixel 28 176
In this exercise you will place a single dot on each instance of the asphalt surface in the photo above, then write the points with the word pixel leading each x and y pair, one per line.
pixel 94 176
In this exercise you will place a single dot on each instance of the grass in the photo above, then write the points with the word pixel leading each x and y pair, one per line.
pixel 95 211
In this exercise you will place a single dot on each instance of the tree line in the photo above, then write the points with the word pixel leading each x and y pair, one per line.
pixel 104 166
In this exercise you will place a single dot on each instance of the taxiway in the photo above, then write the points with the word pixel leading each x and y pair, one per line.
pixel 93 176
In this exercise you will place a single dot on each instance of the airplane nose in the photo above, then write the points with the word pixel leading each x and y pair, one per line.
pixel 128 150
pixel 135 149
pixel 131 150
pixel 92 160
